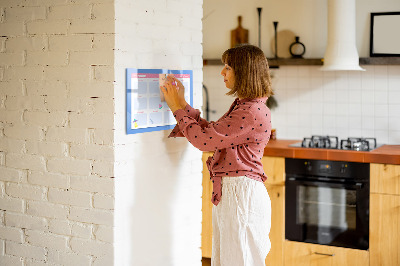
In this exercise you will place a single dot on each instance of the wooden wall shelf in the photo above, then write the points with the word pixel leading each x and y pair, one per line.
pixel 274 63
pixel 380 61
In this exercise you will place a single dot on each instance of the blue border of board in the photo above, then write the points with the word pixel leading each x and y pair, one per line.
pixel 129 71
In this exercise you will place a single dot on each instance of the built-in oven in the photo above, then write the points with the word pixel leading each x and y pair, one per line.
pixel 327 202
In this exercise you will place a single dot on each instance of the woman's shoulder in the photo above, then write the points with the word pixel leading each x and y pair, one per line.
pixel 254 105
pixel 260 110
pixel 255 109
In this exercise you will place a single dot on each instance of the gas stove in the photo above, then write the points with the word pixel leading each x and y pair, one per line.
pixel 332 142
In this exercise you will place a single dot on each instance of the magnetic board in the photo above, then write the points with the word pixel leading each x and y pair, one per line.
pixel 146 109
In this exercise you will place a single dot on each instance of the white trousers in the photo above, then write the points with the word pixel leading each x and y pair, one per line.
pixel 241 223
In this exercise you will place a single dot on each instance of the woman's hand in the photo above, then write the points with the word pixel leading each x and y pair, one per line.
pixel 171 95
pixel 181 90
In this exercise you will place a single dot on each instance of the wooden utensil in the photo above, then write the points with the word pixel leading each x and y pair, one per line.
pixel 239 35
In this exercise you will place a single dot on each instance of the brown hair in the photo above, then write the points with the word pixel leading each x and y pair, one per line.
pixel 250 66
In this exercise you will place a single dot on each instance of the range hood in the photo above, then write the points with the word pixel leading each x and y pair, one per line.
pixel 341 51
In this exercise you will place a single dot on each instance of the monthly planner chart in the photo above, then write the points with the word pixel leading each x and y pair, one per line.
pixel 148 107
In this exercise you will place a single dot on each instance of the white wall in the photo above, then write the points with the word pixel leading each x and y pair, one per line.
pixel 158 180
pixel 62 135
pixel 56 132
pixel 344 103
pixel 304 18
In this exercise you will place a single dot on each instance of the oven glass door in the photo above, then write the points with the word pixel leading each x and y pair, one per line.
pixel 326 207
pixel 326 213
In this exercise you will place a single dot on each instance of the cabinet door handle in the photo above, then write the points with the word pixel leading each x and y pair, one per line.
pixel 324 254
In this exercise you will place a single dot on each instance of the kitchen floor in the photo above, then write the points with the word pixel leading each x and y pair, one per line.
pixel 206 261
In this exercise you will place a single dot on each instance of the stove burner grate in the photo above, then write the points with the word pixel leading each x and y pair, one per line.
pixel 327 142
pixel 358 144
pixel 332 142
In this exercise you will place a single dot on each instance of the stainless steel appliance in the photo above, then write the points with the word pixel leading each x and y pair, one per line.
pixel 332 142
pixel 327 202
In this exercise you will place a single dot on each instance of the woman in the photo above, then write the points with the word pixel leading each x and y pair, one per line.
pixel 242 208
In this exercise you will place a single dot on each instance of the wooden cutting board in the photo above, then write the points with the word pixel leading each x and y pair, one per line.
pixel 239 35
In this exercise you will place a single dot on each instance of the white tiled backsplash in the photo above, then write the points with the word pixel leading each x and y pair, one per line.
pixel 339 103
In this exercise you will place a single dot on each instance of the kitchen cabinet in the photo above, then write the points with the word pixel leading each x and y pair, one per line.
pixel 277 233
pixel 274 168
pixel 206 225
pixel 384 247
pixel 305 254
pixel 385 214
pixel 385 178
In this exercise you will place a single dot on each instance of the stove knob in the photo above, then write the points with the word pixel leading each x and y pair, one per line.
pixel 343 168
pixel 308 166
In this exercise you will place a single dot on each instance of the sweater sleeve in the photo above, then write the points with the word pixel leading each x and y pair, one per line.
pixel 193 113
pixel 229 131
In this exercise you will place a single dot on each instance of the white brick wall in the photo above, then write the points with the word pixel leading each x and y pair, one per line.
pixel 46 240
pixel 68 258
pixel 25 251
pixel 62 138
pixel 47 210
pixel 11 233
pixel 17 220
pixel 156 177
pixel 56 132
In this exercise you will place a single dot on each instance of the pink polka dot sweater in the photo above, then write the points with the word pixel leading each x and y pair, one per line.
pixel 238 139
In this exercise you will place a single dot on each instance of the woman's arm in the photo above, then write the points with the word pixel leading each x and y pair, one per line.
pixel 234 129
pixel 179 100
pixel 193 113
pixel 239 127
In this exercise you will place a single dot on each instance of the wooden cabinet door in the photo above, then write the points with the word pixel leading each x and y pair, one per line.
pixel 385 178
pixel 206 225
pixel 277 233
pixel 304 254
pixel 384 236
pixel 274 168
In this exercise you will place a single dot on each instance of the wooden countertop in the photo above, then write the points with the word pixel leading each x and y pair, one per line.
pixel 389 154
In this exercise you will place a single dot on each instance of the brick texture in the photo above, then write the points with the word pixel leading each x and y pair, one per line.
pixel 11 233
pixel 62 122
pixel 143 177
pixel 47 240
pixel 68 258
pixel 50 101
pixel 69 197
pixel 25 250
pixel 24 221
pixel 94 216
pixel 46 209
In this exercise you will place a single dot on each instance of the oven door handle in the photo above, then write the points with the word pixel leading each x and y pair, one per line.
pixel 357 185
pixel 324 254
